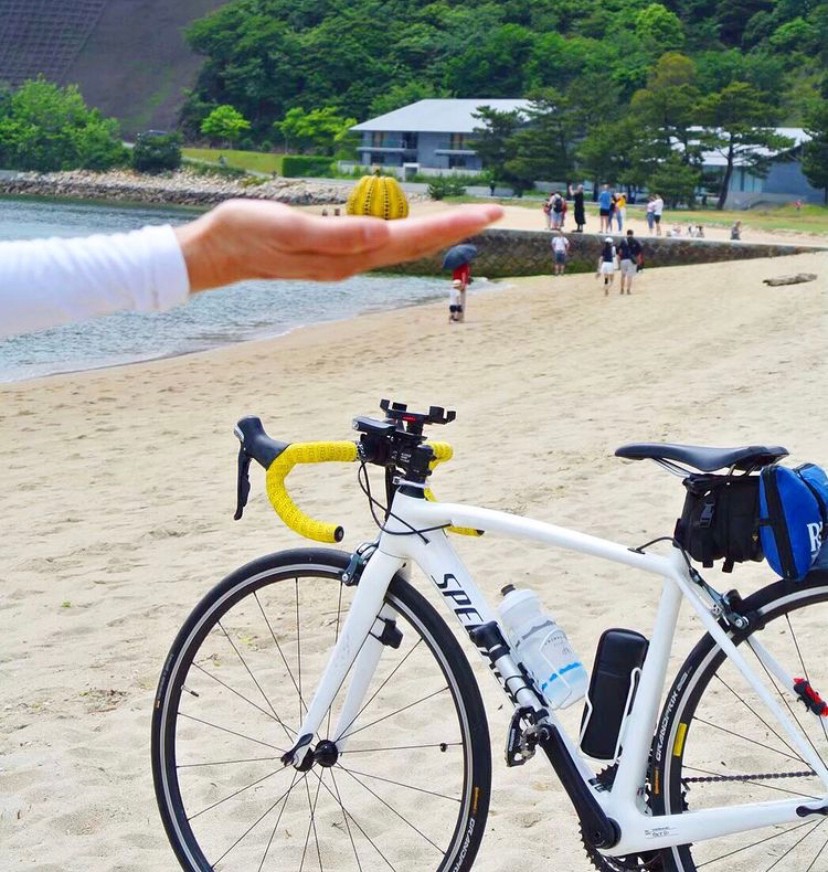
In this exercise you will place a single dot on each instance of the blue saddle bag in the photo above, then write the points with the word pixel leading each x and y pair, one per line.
pixel 793 511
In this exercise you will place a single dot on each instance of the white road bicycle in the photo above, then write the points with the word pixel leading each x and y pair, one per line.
pixel 316 712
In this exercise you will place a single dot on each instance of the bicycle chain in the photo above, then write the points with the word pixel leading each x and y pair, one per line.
pixel 765 776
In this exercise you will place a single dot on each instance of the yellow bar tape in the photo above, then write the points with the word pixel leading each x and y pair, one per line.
pixel 286 509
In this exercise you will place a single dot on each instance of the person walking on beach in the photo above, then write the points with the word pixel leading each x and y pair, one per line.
pixel 48 282
pixel 604 207
pixel 556 214
pixel 620 209
pixel 629 255
pixel 650 213
pixel 560 252
pixel 736 231
pixel 606 264
pixel 455 301
pixel 578 207
pixel 460 280
pixel 658 211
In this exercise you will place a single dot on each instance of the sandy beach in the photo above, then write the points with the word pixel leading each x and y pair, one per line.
pixel 120 490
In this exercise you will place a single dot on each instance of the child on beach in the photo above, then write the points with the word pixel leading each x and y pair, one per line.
pixel 560 250
pixel 455 300
pixel 606 264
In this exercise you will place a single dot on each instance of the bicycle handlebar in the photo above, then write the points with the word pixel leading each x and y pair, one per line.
pixel 279 458
pixel 284 506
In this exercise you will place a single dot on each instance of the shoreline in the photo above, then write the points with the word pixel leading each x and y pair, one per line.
pixel 182 188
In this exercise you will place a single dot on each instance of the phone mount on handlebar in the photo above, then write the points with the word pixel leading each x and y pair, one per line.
pixel 415 421
pixel 397 442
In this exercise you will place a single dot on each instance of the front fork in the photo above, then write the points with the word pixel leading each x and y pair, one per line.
pixel 367 629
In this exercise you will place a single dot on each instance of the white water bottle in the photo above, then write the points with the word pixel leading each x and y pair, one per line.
pixel 542 647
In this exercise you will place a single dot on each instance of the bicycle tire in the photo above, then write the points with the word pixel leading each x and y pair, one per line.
pixel 715 747
pixel 415 799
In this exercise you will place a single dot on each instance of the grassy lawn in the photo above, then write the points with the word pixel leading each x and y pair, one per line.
pixel 809 219
pixel 252 161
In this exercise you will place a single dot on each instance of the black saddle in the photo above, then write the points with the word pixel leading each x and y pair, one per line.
pixel 746 458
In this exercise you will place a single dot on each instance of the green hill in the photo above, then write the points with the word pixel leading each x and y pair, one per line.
pixel 129 57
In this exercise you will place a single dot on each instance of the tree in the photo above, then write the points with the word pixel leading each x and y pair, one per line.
pixel 675 180
pixel 494 143
pixel 815 152
pixel 737 122
pixel 46 128
pixel 667 106
pixel 156 152
pixel 321 129
pixel 225 123
pixel 659 29
pixel 618 152
pixel 543 148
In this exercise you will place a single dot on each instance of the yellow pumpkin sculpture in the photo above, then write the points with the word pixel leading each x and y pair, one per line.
pixel 379 196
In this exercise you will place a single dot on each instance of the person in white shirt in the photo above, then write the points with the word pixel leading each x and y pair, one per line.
pixel 48 282
pixel 560 250
pixel 658 211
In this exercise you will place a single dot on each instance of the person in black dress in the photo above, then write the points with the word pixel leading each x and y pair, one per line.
pixel 577 196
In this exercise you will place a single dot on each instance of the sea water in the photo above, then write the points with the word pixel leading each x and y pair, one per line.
pixel 248 310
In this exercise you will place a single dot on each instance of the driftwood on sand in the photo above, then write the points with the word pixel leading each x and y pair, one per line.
pixel 791 280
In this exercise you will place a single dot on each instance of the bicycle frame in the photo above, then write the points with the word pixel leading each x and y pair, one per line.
pixel 398 547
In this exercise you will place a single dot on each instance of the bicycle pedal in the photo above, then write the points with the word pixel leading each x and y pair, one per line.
pixel 519 746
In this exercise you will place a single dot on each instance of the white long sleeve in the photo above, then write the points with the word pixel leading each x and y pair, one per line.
pixel 48 282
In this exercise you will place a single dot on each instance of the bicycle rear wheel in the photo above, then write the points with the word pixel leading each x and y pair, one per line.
pixel 409 791
pixel 717 744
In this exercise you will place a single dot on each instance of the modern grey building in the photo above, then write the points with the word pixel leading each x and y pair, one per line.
pixel 428 135
pixel 785 180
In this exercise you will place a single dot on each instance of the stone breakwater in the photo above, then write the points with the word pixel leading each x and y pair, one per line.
pixel 503 253
pixel 177 189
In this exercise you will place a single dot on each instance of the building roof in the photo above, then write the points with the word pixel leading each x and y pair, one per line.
pixel 797 134
pixel 438 116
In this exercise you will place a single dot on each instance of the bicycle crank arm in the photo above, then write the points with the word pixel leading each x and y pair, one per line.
pixel 599 830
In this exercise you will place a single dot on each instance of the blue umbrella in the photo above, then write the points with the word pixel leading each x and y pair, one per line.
pixel 457 255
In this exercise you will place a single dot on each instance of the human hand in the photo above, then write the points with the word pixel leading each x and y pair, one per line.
pixel 257 239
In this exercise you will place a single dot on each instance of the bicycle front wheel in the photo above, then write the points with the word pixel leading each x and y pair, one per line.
pixel 718 745
pixel 409 789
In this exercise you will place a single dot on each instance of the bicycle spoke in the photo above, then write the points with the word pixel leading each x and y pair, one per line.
pixel 819 854
pixel 399 784
pixel 380 688
pixel 442 746
pixel 792 756
pixel 228 762
pixel 755 844
pixel 759 718
pixel 253 826
pixel 394 713
pixel 235 793
pixel 345 819
pixel 230 732
pixel 357 824
pixel 271 715
pixel 312 825
pixel 336 639
pixel 276 643
pixel 302 706
pixel 278 820
pixel 393 810
pixel 249 671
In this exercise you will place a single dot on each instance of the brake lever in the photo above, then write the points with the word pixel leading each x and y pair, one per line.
pixel 242 483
